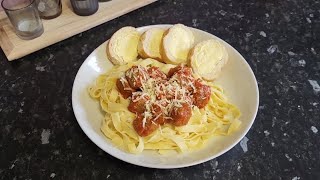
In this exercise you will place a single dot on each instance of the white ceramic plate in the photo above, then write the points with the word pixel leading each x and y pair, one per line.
pixel 236 78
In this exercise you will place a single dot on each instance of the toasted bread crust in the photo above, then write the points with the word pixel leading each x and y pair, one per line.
pixel 141 51
pixel 164 57
pixel 111 58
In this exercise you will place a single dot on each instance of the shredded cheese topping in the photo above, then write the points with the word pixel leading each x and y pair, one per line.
pixel 166 94
pixel 219 117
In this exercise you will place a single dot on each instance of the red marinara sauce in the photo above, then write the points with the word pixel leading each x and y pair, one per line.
pixel 158 98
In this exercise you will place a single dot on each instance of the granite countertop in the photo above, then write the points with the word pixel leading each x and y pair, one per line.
pixel 41 139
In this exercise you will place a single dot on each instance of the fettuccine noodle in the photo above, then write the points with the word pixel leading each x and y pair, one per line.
pixel 219 117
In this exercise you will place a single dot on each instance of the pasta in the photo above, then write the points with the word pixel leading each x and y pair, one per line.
pixel 219 117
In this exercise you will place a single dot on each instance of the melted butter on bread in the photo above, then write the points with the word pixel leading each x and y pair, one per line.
pixel 123 46
pixel 177 42
pixel 207 59
pixel 149 44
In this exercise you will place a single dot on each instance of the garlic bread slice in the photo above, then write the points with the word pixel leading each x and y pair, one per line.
pixel 207 59
pixel 176 44
pixel 149 44
pixel 123 46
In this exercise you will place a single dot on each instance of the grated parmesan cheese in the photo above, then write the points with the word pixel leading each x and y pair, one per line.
pixel 169 94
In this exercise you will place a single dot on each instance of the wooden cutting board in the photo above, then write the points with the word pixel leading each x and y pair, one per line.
pixel 62 27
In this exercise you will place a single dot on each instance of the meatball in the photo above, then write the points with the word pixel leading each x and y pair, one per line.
pixel 184 80
pixel 183 76
pixel 136 76
pixel 180 68
pixel 138 102
pixel 144 127
pixel 181 115
pixel 202 94
pixel 156 73
pixel 157 114
pixel 124 88
pixel 165 91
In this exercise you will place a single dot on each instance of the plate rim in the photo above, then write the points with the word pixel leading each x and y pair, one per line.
pixel 92 135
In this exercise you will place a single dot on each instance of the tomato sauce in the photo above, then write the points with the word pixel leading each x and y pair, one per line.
pixel 158 98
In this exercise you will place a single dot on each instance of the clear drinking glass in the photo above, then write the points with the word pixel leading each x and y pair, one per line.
pixel 85 7
pixel 24 17
pixel 49 9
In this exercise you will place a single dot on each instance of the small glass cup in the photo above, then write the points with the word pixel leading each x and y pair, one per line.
pixel 49 9
pixel 85 7
pixel 24 18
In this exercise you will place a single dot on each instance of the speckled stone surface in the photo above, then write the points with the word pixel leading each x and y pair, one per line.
pixel 40 138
